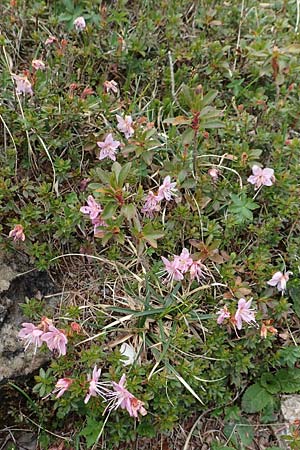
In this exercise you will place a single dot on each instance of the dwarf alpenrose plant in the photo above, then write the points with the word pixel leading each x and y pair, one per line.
pixel 150 162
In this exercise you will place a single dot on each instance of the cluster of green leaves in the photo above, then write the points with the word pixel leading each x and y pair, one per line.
pixel 198 102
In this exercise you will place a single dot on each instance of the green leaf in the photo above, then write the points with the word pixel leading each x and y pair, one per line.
pixel 270 383
pixel 151 235
pixel 255 399
pixel 129 211
pixel 91 431
pixel 123 174
pixel 187 136
pixel 187 95
pixel 289 380
pixel 109 210
pixel 209 97
pixel 289 355
pixel 102 175
pixel 212 124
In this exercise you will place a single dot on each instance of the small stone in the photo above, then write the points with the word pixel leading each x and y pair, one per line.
pixel 290 407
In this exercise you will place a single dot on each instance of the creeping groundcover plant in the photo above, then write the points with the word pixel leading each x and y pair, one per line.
pixel 150 163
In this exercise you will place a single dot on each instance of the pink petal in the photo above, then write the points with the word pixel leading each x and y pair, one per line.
pixel 256 170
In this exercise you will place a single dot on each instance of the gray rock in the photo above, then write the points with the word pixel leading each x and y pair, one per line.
pixel 290 407
pixel 14 289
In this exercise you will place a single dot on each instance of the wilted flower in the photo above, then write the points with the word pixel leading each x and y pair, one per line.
pixel 184 260
pixel 261 177
pixel 86 92
pixel 17 233
pixel 31 334
pixel 23 85
pixel 83 184
pixel 45 323
pixel 55 340
pixel 244 313
pixel 95 386
pixel 75 327
pixel 62 386
pixel 279 279
pixel 98 222
pixel 38 64
pixel 129 352
pixel 79 23
pixel 108 147
pixel 265 329
pixel 93 208
pixel 125 125
pixel 50 40
pixel 111 86
pixel 172 269
pixel 223 314
pixel 125 400
pixel 167 189
pixel 151 204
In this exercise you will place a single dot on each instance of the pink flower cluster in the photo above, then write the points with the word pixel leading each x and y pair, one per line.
pixel 165 192
pixel 244 313
pixel 94 210
pixel 55 339
pixel 115 393
pixel 23 83
pixel 180 265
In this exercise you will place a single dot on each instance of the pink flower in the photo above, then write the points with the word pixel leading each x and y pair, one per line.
pixel 261 177
pixel 125 400
pixel 95 387
pixel 62 386
pixel 38 64
pixel 17 233
pixel 214 174
pixel 279 279
pixel 184 260
pixel 151 204
pixel 110 86
pixel 172 269
pixel 196 270
pixel 31 334
pixel 108 147
pixel 125 125
pixel 50 40
pixel 79 23
pixel 223 314
pixel 167 189
pixel 93 208
pixel 23 85
pixel 244 313
pixel 56 340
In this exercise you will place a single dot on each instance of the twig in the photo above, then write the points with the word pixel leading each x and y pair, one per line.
pixel 298 16
pixel 239 34
pixel 172 76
